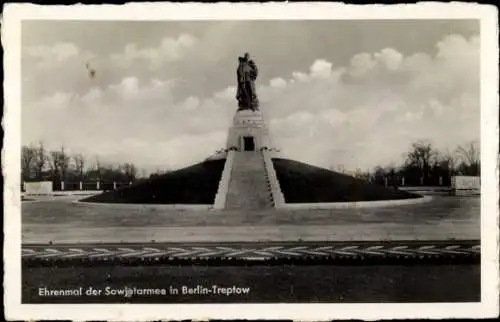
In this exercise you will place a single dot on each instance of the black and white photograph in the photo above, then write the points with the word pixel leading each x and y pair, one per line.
pixel 239 156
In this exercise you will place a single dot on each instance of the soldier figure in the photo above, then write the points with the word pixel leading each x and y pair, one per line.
pixel 247 74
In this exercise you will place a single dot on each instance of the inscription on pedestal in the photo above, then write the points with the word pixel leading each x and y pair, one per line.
pixel 249 132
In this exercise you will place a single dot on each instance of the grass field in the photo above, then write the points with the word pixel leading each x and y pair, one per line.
pixel 304 183
pixel 61 220
pixel 196 184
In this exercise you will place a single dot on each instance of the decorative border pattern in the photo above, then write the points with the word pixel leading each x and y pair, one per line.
pixel 252 252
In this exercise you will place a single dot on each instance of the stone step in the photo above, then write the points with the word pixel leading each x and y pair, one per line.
pixel 248 186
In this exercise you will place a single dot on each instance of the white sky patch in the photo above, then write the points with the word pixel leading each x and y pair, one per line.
pixel 168 50
pixel 227 94
pixel 277 83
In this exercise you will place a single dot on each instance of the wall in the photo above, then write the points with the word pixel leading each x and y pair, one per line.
pixel 220 198
pixel 466 185
pixel 38 188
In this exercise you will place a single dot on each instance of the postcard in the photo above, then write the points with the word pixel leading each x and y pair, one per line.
pixel 305 161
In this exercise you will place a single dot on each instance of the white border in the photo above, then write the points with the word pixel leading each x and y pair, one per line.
pixel 11 36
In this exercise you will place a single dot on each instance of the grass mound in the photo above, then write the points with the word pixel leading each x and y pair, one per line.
pixel 196 184
pixel 303 183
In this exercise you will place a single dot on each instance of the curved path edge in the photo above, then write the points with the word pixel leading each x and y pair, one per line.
pixel 291 206
pixel 139 205
pixel 357 204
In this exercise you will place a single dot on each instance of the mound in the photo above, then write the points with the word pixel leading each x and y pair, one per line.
pixel 196 184
pixel 303 183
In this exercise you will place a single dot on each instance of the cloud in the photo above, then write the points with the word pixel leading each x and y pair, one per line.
pixel 363 114
pixel 299 76
pixel 132 121
pixel 277 82
pixel 377 105
pixel 321 69
pixel 361 64
pixel 390 58
pixel 168 50
pixel 93 98
pixel 227 94
pixel 47 57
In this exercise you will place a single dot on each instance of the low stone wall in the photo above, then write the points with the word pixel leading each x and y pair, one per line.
pixel 38 188
pixel 466 185
pixel 77 193
pixel 356 204
pixel 428 191
pixel 220 198
pixel 278 198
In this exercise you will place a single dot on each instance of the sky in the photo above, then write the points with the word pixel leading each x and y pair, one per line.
pixel 346 93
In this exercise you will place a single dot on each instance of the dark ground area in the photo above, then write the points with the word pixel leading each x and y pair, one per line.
pixel 303 183
pixel 300 183
pixel 271 284
pixel 196 184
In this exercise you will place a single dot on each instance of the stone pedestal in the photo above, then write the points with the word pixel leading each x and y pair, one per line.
pixel 249 132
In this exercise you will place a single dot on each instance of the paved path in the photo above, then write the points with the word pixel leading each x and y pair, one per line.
pixel 61 221
pixel 357 232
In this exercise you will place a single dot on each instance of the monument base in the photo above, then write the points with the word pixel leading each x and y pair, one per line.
pixel 249 132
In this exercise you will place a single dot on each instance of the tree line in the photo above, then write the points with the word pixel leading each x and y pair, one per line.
pixel 424 165
pixel 41 164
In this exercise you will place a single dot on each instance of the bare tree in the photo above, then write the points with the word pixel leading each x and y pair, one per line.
pixel 59 163
pixel 64 162
pixel 379 173
pixel 98 167
pixel 143 173
pixel 55 165
pixel 448 162
pixel 41 159
pixel 421 156
pixel 79 161
pixel 363 175
pixel 28 161
pixel 130 171
pixel 470 159
pixel 338 168
pixel 391 173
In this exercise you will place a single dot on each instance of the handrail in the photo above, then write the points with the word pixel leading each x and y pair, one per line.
pixel 277 194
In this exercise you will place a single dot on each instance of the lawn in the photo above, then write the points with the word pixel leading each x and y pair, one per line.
pixel 299 182
pixel 303 183
pixel 196 184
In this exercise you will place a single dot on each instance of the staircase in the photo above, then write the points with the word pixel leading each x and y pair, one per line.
pixel 248 187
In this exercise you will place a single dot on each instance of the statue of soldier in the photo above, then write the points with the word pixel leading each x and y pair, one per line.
pixel 247 74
